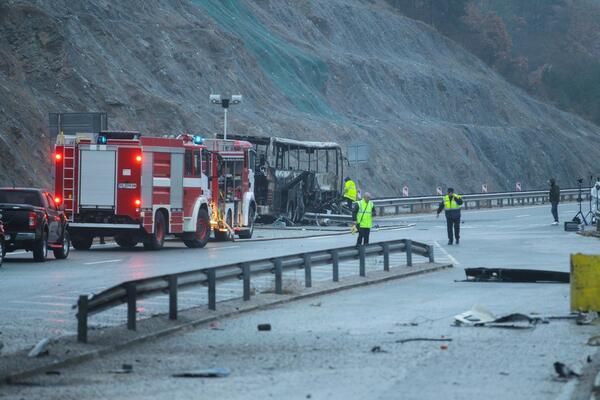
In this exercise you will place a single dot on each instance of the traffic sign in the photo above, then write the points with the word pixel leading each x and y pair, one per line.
pixel 484 188
pixel 438 191
pixel 518 187
pixel 405 191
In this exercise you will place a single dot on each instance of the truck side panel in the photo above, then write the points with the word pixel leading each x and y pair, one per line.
pixel 97 178
pixel 129 169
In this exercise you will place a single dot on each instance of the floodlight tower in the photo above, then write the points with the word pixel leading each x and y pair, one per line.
pixel 225 103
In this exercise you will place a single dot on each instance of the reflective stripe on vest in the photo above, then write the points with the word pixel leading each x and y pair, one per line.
pixel 364 217
pixel 350 190
pixel 451 204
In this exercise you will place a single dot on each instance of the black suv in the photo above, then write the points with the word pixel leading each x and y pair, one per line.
pixel 33 220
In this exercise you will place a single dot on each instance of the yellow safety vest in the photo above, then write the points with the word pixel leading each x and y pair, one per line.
pixel 364 217
pixel 350 190
pixel 451 204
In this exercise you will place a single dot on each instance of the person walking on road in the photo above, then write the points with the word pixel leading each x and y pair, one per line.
pixel 363 214
pixel 554 196
pixel 349 192
pixel 451 203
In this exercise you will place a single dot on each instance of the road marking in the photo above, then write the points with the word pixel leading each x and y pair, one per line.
pixel 41 303
pixel 522 216
pixel 454 260
pixel 223 248
pixel 102 262
pixel 322 237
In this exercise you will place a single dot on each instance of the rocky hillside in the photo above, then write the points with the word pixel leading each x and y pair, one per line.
pixel 342 70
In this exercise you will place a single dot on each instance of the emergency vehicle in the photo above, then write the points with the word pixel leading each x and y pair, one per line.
pixel 141 189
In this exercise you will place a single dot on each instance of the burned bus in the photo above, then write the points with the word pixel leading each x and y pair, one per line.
pixel 293 177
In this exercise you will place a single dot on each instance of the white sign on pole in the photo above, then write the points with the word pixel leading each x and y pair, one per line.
pixel 518 187
pixel 484 188
pixel 438 191
pixel 405 191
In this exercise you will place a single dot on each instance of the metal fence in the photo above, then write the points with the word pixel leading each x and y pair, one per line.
pixel 132 291
pixel 399 205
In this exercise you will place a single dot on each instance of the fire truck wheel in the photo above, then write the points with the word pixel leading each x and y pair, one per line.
pixel 200 237
pixel 156 240
pixel 63 252
pixel 247 233
pixel 126 242
pixel 82 242
pixel 40 248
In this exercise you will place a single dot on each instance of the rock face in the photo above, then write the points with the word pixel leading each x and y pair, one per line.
pixel 351 71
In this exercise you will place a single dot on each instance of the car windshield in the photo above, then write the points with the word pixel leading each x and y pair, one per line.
pixel 20 197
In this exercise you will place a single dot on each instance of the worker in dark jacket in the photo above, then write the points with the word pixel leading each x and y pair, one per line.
pixel 554 199
pixel 451 203
pixel 363 213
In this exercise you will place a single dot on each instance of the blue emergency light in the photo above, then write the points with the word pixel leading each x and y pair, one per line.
pixel 197 139
pixel 102 139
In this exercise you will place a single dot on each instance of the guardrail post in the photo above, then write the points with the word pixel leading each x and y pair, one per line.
pixel 430 253
pixel 386 256
pixel 82 319
pixel 361 258
pixel 131 305
pixel 173 297
pixel 278 276
pixel 307 270
pixel 246 277
pixel 212 289
pixel 409 262
pixel 335 263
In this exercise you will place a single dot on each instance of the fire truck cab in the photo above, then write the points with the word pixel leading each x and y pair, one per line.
pixel 141 189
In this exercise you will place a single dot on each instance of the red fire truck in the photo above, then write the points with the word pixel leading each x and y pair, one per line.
pixel 141 189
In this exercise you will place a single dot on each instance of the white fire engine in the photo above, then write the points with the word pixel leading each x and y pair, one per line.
pixel 140 189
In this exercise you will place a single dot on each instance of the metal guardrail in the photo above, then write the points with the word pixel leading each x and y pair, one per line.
pixel 131 291
pixel 501 199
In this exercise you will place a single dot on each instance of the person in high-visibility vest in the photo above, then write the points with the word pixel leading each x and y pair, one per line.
pixel 451 203
pixel 363 213
pixel 349 192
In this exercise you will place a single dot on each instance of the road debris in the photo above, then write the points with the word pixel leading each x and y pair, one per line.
pixel 125 369
pixel 264 327
pixel 594 341
pixel 204 373
pixel 590 318
pixel 515 275
pixel 423 339
pixel 564 371
pixel 479 316
pixel 214 326
pixel 444 347
pixel 39 349
pixel 316 304
pixel 377 349
pixel 53 372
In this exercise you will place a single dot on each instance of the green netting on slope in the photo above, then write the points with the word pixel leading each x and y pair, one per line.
pixel 300 77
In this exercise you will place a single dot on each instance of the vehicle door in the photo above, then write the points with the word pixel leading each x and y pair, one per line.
pixel 53 218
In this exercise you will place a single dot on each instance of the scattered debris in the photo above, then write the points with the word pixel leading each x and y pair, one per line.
pixel 52 372
pixel 444 347
pixel 423 339
pixel 407 324
pixel 214 326
pixel 39 349
pixel 515 275
pixel 204 373
pixel 594 341
pixel 316 304
pixel 590 318
pixel 504 373
pixel 264 327
pixel 125 369
pixel 564 371
pixel 479 316
pixel 377 349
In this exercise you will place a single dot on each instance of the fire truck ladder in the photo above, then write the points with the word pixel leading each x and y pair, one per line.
pixel 69 181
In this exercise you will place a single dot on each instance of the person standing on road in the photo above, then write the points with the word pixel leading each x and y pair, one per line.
pixel 349 192
pixel 554 196
pixel 451 203
pixel 363 214
pixel 595 193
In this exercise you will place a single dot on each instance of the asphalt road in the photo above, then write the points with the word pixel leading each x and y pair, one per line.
pixel 36 299
pixel 321 348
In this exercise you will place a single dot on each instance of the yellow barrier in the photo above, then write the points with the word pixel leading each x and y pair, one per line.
pixel 585 282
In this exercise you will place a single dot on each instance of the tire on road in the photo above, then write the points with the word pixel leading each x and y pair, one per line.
pixel 63 252
pixel 247 233
pixel 82 242
pixel 127 242
pixel 40 248
pixel 199 238
pixel 156 240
